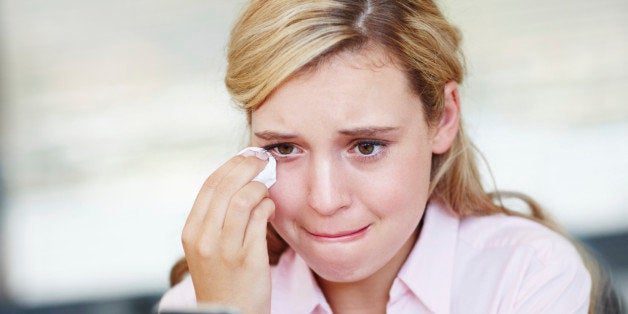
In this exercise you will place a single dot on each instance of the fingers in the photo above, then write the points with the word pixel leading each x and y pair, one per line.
pixel 210 205
pixel 225 191
pixel 195 218
pixel 255 236
pixel 239 213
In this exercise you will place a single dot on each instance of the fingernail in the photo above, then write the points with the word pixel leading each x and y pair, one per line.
pixel 254 151
pixel 261 155
pixel 248 153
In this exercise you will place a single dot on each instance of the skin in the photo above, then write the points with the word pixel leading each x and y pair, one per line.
pixel 354 156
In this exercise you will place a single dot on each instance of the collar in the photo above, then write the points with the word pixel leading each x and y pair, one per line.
pixel 428 271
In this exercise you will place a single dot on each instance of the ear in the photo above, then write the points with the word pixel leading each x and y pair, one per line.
pixel 445 134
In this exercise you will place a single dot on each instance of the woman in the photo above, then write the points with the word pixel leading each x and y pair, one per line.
pixel 378 205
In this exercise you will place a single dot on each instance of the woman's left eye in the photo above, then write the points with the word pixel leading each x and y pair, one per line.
pixel 368 148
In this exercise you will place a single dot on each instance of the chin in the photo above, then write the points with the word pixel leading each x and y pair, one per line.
pixel 341 274
pixel 341 269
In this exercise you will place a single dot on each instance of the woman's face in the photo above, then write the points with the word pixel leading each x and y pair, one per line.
pixel 354 155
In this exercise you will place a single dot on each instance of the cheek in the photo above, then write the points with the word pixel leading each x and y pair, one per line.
pixel 288 192
pixel 404 184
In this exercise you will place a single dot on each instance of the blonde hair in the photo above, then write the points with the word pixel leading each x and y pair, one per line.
pixel 274 40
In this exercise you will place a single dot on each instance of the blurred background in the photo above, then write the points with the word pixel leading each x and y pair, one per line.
pixel 112 113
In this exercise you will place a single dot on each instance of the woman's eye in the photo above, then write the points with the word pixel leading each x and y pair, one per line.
pixel 366 148
pixel 284 149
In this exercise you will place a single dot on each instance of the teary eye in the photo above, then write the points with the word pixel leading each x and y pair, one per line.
pixel 366 148
pixel 284 149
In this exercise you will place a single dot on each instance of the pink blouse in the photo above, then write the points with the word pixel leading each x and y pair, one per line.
pixel 489 264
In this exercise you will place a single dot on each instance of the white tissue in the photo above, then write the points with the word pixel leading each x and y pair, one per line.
pixel 268 176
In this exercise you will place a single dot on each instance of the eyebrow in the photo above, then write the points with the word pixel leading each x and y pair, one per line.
pixel 272 135
pixel 356 132
pixel 369 131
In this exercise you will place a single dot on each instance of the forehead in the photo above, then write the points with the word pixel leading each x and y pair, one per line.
pixel 350 89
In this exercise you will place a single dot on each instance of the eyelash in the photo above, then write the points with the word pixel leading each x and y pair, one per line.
pixel 378 151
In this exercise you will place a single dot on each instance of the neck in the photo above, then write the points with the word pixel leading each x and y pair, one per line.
pixel 369 295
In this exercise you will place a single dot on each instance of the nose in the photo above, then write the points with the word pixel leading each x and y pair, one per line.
pixel 327 186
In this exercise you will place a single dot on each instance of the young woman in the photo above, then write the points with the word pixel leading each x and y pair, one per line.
pixel 378 206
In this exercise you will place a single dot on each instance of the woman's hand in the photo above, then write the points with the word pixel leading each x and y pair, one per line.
pixel 224 237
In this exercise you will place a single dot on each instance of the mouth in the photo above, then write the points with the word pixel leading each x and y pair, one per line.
pixel 348 235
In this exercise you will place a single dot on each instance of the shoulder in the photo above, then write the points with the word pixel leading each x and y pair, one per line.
pixel 535 268
pixel 181 296
pixel 508 232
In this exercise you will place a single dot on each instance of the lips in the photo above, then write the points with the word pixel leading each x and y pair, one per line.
pixel 349 234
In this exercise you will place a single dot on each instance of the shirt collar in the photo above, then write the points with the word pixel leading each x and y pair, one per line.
pixel 428 271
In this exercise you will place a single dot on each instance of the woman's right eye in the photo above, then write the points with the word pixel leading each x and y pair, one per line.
pixel 282 149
